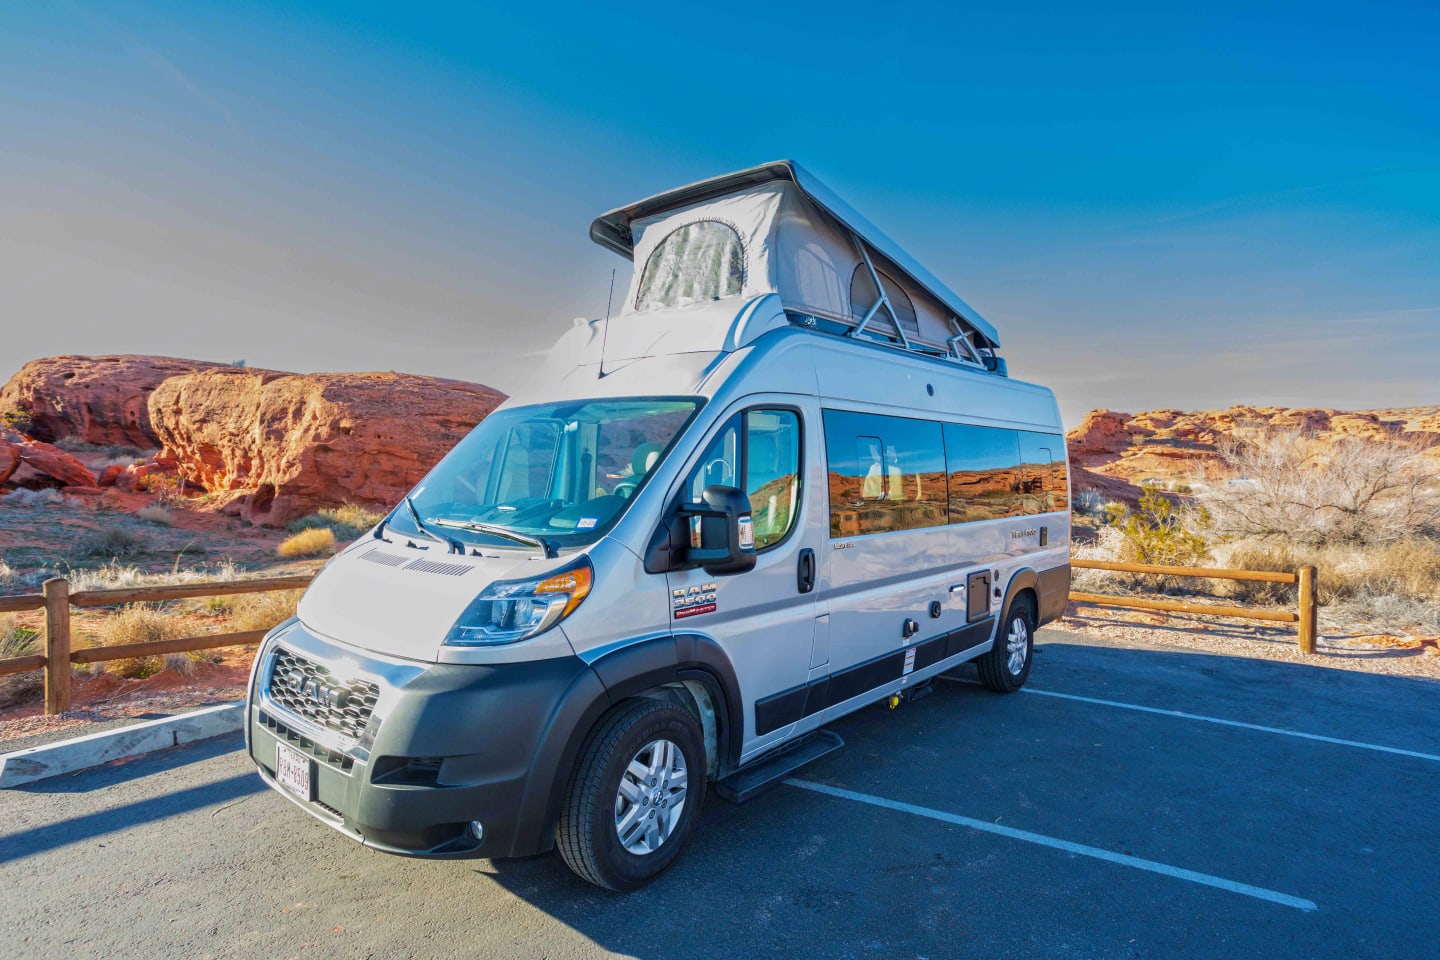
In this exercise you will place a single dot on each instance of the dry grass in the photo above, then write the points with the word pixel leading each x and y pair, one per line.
pixel 33 498
pixel 260 611
pixel 115 575
pixel 18 641
pixel 346 521
pixel 139 623
pixel 308 543
pixel 156 514
pixel 113 542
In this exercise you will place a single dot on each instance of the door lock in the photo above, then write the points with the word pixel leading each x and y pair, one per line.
pixel 909 629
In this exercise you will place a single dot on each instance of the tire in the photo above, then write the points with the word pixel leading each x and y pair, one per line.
pixel 998 668
pixel 604 795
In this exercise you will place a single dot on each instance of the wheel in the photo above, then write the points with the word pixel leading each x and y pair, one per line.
pixel 636 795
pixel 1006 666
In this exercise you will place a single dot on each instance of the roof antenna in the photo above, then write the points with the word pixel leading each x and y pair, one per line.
pixel 605 334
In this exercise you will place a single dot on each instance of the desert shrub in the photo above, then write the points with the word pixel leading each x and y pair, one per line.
pixel 1089 503
pixel 13 418
pixel 156 514
pixel 17 640
pixel 1159 532
pixel 139 623
pixel 167 489
pixel 113 542
pixel 25 497
pixel 1288 485
pixel 347 521
pixel 308 543
pixel 181 663
pixel 261 611
pixel 8 577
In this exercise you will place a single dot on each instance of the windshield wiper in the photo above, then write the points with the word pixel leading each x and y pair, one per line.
pixel 455 546
pixel 498 531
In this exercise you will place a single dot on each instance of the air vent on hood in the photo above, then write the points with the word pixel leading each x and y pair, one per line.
pixel 434 566
pixel 376 555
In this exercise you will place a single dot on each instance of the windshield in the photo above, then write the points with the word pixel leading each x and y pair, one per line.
pixel 559 473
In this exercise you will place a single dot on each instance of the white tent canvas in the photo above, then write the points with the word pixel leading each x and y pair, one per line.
pixel 774 229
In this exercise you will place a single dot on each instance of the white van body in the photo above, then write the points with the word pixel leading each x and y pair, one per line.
pixel 877 500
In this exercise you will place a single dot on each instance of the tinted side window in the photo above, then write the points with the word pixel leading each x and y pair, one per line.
pixel 885 473
pixel 1043 487
pixel 768 457
pixel 772 472
pixel 984 471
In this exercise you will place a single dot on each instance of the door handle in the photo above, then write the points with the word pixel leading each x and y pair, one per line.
pixel 805 571
pixel 958 588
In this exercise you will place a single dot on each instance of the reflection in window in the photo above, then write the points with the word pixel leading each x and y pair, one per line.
pixel 772 472
pixel 984 476
pixel 700 261
pixel 885 473
pixel 771 468
pixel 1044 486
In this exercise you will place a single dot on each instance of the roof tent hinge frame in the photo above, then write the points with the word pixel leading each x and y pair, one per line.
pixel 882 300
pixel 962 337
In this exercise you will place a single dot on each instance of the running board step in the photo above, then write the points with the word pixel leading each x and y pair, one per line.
pixel 749 782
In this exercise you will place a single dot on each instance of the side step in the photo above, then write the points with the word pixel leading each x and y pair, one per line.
pixel 749 782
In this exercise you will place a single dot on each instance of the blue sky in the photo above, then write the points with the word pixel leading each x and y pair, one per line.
pixel 1156 205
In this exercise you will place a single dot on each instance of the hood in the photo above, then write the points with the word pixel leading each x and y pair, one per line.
pixel 399 601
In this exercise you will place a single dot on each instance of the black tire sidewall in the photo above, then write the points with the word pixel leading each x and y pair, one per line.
pixel 620 868
pixel 1021 612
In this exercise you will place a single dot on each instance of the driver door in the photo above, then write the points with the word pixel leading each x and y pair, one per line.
pixel 764 619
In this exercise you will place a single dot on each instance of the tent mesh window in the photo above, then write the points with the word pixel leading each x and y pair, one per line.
pixel 863 296
pixel 704 260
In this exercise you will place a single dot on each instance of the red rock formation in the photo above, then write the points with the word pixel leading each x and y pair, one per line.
pixel 285 445
pixel 48 462
pixel 1103 433
pixel 9 460
pixel 95 399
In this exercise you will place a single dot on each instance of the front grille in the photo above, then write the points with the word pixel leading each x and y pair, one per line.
pixel 312 692
pixel 327 755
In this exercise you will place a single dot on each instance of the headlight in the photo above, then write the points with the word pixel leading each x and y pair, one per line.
pixel 515 609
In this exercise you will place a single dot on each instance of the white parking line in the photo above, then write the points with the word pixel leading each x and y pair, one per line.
pixel 1079 849
pixel 1234 723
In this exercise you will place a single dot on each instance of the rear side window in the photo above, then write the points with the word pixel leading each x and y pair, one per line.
pixel 759 452
pixel 704 260
pixel 984 465
pixel 1043 478
pixel 885 473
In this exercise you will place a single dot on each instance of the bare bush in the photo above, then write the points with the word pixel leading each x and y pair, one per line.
pixel 1291 485
pixel 261 611
pixel 139 623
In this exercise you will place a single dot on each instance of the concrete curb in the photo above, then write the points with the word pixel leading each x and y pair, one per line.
pixel 81 753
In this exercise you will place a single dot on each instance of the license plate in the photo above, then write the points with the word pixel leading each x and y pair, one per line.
pixel 292 770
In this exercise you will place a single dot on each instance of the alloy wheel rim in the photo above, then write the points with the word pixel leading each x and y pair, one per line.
pixel 1017 646
pixel 651 798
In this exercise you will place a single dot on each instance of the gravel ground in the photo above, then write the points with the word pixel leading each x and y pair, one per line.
pixel 1409 656
pixel 25 732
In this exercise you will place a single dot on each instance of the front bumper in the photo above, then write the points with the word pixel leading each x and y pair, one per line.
pixel 446 745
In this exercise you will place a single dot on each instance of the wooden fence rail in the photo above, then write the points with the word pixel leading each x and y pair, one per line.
pixel 56 600
pixel 1307 616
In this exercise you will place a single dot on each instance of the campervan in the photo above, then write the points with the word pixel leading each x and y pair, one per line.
pixel 790 478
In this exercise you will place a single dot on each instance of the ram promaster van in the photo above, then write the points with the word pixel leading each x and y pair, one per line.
pixel 790 478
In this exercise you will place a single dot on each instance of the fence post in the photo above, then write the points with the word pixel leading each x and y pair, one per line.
pixel 57 645
pixel 1309 610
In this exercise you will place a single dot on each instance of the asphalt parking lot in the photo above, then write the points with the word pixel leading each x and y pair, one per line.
pixel 1102 813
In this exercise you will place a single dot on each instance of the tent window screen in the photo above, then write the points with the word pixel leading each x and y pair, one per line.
pixel 863 296
pixel 704 260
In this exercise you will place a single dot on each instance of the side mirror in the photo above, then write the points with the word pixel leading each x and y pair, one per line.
pixel 721 533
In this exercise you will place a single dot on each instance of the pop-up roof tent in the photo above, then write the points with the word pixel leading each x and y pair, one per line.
pixel 776 229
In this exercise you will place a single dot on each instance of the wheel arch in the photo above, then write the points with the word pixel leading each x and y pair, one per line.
pixel 641 668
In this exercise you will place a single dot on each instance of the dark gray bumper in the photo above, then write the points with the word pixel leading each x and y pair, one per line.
pixel 446 745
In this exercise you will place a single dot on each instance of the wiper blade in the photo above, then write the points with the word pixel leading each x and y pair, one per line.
pixel 455 546
pixel 499 531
